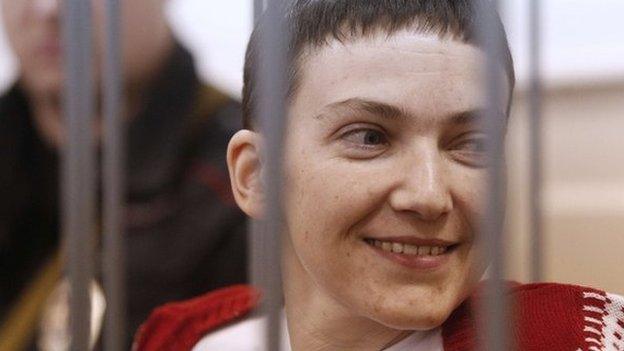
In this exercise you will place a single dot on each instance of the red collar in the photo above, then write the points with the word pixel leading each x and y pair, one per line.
pixel 545 317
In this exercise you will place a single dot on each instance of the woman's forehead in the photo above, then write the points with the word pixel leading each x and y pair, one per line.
pixel 421 73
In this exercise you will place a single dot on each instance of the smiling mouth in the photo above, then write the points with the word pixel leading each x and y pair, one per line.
pixel 411 249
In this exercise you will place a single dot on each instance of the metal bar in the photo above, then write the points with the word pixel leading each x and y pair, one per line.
pixel 256 230
pixel 535 131
pixel 493 324
pixel 255 237
pixel 113 184
pixel 271 112
pixel 258 9
pixel 78 177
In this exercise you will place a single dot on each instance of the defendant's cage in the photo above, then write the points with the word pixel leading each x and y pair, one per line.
pixel 79 173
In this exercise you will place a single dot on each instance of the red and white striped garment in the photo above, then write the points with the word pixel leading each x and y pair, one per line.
pixel 546 316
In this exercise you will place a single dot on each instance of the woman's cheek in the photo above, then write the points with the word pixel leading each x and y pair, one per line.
pixel 468 187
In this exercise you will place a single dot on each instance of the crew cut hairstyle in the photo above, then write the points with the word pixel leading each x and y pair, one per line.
pixel 314 23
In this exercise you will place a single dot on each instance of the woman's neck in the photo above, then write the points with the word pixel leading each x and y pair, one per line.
pixel 327 334
pixel 317 322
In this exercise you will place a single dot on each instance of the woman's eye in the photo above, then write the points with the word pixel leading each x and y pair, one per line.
pixel 474 145
pixel 472 151
pixel 366 137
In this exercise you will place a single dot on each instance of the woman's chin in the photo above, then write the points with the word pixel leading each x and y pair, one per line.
pixel 404 320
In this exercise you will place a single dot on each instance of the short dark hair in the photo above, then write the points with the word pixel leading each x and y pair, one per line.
pixel 313 23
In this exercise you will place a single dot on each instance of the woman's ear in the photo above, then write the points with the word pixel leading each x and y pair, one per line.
pixel 245 167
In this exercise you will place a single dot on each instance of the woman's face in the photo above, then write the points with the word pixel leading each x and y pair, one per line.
pixel 34 30
pixel 385 174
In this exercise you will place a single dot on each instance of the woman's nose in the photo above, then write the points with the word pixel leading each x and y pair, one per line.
pixel 423 189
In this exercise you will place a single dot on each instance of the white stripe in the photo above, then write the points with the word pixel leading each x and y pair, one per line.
pixel 593 320
pixel 594 348
pixel 593 295
pixel 592 330
pixel 595 341
pixel 593 309
pixel 614 313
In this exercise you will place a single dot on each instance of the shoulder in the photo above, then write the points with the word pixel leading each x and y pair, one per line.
pixel 179 326
pixel 565 299
pixel 215 118
pixel 247 334
pixel 548 316
pixel 558 311
pixel 10 94
pixel 216 110
pixel 13 107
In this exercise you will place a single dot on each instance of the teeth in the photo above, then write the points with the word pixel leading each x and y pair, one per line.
pixel 424 250
pixel 397 248
pixel 410 249
pixel 386 246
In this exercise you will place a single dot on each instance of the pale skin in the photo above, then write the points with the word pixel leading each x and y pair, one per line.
pixel 34 31
pixel 382 142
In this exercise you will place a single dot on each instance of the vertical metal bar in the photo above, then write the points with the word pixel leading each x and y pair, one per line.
pixel 113 183
pixel 493 324
pixel 78 179
pixel 271 112
pixel 255 230
pixel 258 8
pixel 535 131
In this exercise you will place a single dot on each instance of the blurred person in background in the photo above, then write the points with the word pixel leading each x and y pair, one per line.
pixel 184 232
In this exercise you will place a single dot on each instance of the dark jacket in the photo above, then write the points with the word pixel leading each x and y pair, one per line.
pixel 184 233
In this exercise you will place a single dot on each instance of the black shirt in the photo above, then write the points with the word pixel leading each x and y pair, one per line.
pixel 184 233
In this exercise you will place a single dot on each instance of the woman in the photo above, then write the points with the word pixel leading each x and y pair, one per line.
pixel 385 175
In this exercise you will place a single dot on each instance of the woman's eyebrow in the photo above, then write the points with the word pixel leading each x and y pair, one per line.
pixel 389 111
pixel 360 105
pixel 473 117
pixel 466 117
